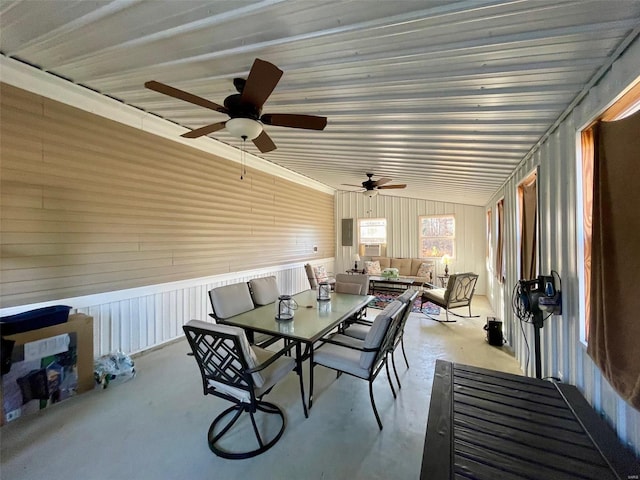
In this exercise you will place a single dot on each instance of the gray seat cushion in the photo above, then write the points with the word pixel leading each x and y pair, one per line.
pixel 340 358
pixel 230 300
pixel 435 295
pixel 351 288
pixel 264 290
pixel 377 332
pixel 357 330
pixel 362 280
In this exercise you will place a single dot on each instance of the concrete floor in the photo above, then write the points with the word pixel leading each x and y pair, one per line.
pixel 155 425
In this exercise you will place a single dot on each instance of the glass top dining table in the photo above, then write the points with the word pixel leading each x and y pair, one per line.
pixel 312 319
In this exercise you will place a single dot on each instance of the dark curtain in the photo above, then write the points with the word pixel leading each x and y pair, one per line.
pixel 528 247
pixel 614 327
pixel 500 242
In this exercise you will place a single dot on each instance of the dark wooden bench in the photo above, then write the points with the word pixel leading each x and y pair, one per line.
pixel 485 424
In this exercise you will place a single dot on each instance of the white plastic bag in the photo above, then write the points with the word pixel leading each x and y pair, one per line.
pixel 116 366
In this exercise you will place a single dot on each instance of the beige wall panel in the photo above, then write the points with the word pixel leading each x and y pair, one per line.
pixel 37 249
pixel 11 96
pixel 92 206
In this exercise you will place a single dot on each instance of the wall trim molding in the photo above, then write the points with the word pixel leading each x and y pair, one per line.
pixel 87 301
pixel 32 79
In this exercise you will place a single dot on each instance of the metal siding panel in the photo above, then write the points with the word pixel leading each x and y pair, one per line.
pixel 402 217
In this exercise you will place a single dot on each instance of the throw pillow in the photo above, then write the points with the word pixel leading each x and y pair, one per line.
pixel 424 270
pixel 321 273
pixel 373 268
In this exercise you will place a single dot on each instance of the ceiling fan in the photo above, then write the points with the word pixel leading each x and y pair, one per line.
pixel 245 107
pixel 372 186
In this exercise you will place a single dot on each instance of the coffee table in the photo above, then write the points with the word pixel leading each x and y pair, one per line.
pixel 388 285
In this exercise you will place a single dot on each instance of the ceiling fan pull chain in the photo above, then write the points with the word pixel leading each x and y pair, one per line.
pixel 243 159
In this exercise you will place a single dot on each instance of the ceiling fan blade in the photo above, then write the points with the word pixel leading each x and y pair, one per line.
pixel 400 185
pixel 264 142
pixel 206 130
pixel 186 96
pixel 309 122
pixel 350 185
pixel 382 181
pixel 262 79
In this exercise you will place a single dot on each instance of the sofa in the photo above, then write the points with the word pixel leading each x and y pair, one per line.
pixel 418 269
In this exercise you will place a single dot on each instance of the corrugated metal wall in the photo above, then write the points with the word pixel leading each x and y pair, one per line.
pixel 402 229
pixel 563 352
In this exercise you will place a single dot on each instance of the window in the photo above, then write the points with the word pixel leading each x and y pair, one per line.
pixel 610 235
pixel 489 240
pixel 528 227
pixel 500 253
pixel 372 231
pixel 437 236
pixel 628 104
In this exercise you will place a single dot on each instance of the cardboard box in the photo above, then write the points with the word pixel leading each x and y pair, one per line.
pixel 76 373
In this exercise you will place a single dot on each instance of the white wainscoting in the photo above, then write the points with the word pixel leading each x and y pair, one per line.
pixel 138 319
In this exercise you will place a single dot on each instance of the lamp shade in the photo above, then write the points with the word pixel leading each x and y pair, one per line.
pixel 244 127
pixel 355 257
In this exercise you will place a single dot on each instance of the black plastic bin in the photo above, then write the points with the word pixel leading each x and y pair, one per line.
pixel 34 319
pixel 494 332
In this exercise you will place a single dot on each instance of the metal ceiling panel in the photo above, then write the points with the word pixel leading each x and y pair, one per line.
pixel 445 96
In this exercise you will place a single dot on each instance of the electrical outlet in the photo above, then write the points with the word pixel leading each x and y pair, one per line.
pixel 12 415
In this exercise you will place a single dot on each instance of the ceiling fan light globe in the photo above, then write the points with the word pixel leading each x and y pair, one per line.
pixel 244 128
pixel 370 193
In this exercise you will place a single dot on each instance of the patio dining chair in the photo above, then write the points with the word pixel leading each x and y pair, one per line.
pixel 318 274
pixel 360 330
pixel 361 358
pixel 235 371
pixel 230 300
pixel 355 285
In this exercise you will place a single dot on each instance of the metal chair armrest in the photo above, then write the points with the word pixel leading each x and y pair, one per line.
pixel 271 359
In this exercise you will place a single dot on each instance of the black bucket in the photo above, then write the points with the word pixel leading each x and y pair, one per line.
pixel 494 332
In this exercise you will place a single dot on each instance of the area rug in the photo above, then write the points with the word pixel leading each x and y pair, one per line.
pixel 383 299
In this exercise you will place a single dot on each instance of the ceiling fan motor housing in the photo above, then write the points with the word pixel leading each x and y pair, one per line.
pixel 239 109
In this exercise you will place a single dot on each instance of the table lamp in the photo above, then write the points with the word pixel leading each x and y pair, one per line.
pixel 356 259
pixel 446 259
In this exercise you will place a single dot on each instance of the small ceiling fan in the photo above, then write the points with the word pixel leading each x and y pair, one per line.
pixel 245 107
pixel 371 186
